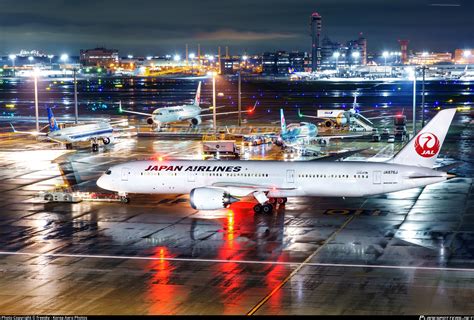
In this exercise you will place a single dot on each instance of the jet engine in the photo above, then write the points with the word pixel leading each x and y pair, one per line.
pixel 210 199
pixel 328 123
pixel 196 121
pixel 150 121
pixel 107 140
pixel 343 119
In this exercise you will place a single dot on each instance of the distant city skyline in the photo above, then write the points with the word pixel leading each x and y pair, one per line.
pixel 146 28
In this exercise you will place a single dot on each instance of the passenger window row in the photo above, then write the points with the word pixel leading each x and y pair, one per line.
pixel 359 176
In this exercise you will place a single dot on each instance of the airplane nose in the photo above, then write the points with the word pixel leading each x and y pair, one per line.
pixel 102 182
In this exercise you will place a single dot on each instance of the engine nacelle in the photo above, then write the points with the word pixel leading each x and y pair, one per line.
pixel 210 199
pixel 328 123
pixel 341 121
pixel 150 121
pixel 108 140
pixel 196 121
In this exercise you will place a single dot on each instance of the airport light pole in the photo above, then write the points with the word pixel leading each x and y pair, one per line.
pixel 12 58
pixel 336 56
pixel 385 56
pixel 412 73
pixel 35 76
pixel 64 58
pixel 423 97
pixel 239 92
pixel 355 57
pixel 214 116
pixel 51 56
pixel 76 111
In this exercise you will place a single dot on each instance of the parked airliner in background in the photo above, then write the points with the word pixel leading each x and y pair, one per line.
pixel 216 184
pixel 340 117
pixel 189 112
pixel 300 136
pixel 93 132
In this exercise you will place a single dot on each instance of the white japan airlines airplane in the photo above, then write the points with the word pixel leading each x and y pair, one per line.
pixel 86 132
pixel 190 112
pixel 216 184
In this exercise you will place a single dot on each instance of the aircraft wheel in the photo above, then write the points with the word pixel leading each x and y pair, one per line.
pixel 272 200
pixel 267 208
pixel 258 208
pixel 95 147
pixel 106 141
pixel 281 200
pixel 68 146
pixel 125 199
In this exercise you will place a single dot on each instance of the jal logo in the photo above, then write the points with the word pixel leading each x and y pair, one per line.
pixel 427 145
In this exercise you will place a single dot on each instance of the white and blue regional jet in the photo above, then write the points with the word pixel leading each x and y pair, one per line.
pixel 217 184
pixel 93 132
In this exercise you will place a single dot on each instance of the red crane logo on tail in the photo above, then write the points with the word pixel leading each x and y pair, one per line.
pixel 427 144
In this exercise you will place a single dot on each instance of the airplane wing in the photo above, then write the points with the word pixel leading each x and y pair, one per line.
pixel 232 112
pixel 338 137
pixel 335 156
pixel 34 133
pixel 318 119
pixel 382 117
pixel 243 189
pixel 133 112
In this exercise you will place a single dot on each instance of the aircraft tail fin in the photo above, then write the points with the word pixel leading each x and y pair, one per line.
pixel 197 98
pixel 283 121
pixel 53 124
pixel 424 147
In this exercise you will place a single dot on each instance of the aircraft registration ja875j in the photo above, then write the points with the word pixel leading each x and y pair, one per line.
pixel 216 184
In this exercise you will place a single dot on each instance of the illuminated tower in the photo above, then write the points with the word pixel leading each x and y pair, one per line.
pixel 315 44
pixel 362 42
pixel 404 50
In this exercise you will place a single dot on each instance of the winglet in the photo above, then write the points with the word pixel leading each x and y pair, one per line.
pixel 120 107
pixel 300 114
pixel 197 98
pixel 254 107
pixel 53 124
pixel 283 121
pixel 13 128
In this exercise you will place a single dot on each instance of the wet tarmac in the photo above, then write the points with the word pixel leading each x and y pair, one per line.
pixel 408 252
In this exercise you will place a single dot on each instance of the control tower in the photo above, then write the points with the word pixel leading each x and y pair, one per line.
pixel 315 41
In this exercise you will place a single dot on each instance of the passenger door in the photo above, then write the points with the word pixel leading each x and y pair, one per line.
pixel 377 177
pixel 125 174
pixel 290 176
pixel 191 176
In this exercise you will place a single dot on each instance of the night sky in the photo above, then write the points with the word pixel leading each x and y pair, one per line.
pixel 143 27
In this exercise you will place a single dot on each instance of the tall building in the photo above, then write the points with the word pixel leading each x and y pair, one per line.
pixel 336 55
pixel 315 41
pixel 404 50
pixel 100 57
pixel 362 43
pixel 282 62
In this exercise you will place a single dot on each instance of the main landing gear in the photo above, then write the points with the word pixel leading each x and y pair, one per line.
pixel 269 205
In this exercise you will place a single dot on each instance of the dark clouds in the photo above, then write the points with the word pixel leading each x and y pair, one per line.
pixel 148 27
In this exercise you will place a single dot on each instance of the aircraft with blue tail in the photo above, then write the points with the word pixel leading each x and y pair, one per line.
pixel 93 132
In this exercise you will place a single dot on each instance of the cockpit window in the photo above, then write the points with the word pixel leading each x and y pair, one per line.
pixel 108 172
